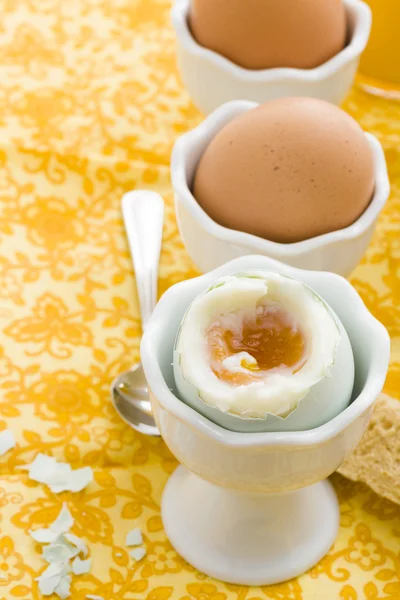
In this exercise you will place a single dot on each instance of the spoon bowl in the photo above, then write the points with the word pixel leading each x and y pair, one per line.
pixel 130 398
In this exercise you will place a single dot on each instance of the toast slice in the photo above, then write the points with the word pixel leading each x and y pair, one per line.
pixel 376 459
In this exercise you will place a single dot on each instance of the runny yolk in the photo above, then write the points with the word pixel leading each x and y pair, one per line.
pixel 269 337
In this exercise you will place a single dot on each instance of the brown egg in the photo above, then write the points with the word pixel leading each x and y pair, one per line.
pixel 261 34
pixel 287 171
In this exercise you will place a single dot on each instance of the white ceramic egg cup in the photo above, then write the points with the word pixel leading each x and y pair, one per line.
pixel 256 508
pixel 210 244
pixel 211 79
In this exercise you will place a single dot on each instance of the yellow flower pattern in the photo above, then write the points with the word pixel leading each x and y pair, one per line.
pixel 364 551
pixel 161 559
pixel 90 105
pixel 50 322
pixel 11 563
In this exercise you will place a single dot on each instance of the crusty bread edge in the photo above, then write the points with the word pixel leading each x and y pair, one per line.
pixel 376 459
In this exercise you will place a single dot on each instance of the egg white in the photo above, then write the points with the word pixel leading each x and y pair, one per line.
pixel 275 400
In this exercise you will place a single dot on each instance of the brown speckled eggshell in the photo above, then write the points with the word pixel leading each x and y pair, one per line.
pixel 260 34
pixel 286 171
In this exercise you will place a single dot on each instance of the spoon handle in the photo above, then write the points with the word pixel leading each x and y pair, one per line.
pixel 143 214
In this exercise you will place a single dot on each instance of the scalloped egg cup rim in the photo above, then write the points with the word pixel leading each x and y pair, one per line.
pixel 171 403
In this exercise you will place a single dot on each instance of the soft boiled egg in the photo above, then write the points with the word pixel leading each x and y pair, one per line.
pixel 259 351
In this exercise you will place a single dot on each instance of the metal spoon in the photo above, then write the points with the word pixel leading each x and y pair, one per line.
pixel 143 214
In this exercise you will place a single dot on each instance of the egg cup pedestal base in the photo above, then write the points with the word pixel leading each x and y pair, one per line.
pixel 248 539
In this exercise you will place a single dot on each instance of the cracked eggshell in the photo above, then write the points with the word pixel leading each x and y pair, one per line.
pixel 324 400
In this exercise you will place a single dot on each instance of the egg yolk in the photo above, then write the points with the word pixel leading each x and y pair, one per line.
pixel 269 337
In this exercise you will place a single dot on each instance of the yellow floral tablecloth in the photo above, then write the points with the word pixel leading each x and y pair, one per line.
pixel 90 106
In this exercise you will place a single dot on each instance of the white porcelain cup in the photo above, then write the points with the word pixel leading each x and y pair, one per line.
pixel 210 245
pixel 255 508
pixel 212 79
